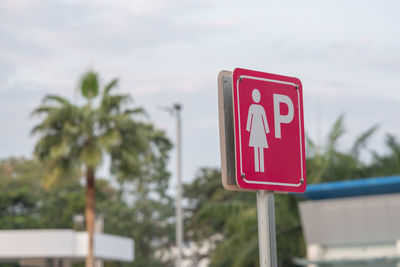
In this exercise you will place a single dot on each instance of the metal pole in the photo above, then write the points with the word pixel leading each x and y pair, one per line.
pixel 266 228
pixel 179 219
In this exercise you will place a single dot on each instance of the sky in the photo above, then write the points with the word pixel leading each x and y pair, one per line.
pixel 346 53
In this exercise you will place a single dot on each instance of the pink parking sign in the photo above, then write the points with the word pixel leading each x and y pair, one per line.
pixel 269 131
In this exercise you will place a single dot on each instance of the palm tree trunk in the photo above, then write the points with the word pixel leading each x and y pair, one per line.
pixel 90 213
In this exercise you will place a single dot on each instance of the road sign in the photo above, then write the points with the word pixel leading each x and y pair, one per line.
pixel 268 131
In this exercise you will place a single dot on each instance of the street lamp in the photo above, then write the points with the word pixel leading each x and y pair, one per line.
pixel 175 110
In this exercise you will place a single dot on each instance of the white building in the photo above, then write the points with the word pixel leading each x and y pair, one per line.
pixel 59 248
pixel 352 223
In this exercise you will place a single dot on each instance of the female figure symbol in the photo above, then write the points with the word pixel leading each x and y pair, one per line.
pixel 257 125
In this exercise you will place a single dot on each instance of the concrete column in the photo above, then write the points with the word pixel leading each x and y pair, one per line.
pixel 34 262
pixel 314 252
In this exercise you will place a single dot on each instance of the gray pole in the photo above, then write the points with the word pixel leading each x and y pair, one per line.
pixel 266 228
pixel 179 219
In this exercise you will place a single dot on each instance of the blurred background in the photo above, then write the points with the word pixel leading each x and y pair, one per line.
pixel 81 86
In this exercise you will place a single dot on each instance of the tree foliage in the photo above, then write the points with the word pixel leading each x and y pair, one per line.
pixel 213 209
pixel 25 203
pixel 75 139
pixel 134 200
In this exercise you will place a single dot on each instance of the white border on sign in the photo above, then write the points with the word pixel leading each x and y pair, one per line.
pixel 240 135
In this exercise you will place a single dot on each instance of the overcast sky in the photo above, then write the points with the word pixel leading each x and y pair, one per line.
pixel 347 54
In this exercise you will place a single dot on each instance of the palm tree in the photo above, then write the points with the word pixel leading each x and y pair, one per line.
pixel 329 163
pixel 74 139
pixel 213 209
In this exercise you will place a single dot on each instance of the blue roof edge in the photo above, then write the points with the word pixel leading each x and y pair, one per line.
pixel 353 188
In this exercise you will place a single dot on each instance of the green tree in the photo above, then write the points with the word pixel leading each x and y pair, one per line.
pixel 74 139
pixel 389 162
pixel 26 204
pixel 213 209
pixel 21 188
pixel 139 208
pixel 329 163
pixel 146 209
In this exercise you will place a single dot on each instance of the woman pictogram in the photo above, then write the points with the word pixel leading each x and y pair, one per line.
pixel 257 125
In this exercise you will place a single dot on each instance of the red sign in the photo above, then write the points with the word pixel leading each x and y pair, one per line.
pixel 269 131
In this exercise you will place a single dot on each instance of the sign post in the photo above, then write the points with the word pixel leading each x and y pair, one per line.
pixel 266 228
pixel 262 143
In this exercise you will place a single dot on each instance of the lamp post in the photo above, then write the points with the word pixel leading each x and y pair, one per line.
pixel 179 218
pixel 175 110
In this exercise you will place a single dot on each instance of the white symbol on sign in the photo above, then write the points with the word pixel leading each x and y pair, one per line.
pixel 257 125
pixel 278 117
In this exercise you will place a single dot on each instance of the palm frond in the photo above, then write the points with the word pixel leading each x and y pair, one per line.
pixel 55 98
pixel 110 86
pixel 42 109
pixel 89 85
pixel 91 155
pixel 137 111
pixel 37 128
pixel 310 143
pixel 336 132
pixel 110 139
pixel 311 148
pixel 113 103
pixel 392 144
pixel 362 140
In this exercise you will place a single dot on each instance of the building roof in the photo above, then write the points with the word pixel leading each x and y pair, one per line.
pixel 353 188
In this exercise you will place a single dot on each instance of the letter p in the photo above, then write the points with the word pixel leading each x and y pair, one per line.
pixel 278 117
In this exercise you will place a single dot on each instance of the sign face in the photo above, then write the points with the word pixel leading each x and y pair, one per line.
pixel 269 131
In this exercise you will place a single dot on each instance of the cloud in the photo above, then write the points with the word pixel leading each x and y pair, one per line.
pixel 18 5
pixel 167 51
pixel 47 43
